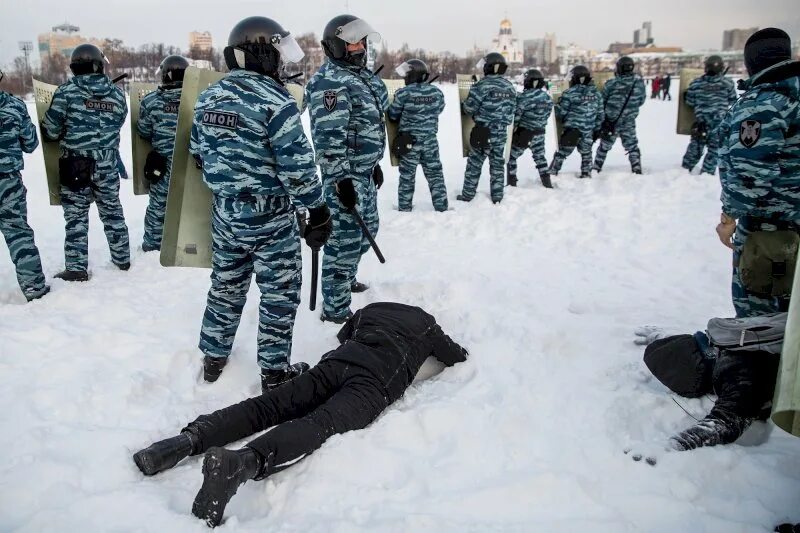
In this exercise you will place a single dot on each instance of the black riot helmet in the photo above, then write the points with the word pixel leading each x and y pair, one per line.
pixel 87 59
pixel 172 69
pixel 344 30
pixel 493 63
pixel 625 66
pixel 765 48
pixel 261 45
pixel 714 65
pixel 413 71
pixel 580 76
pixel 534 79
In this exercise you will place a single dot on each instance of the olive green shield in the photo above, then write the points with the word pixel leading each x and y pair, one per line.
pixel 43 94
pixel 187 224
pixel 685 113
pixel 392 86
pixel 465 83
pixel 556 90
pixel 139 146
pixel 601 78
pixel 786 403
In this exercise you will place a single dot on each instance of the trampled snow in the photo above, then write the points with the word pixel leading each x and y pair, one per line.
pixel 545 291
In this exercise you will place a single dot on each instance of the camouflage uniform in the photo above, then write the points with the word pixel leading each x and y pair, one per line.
pixel 86 115
pixel 346 105
pixel 580 107
pixel 532 113
pixel 158 120
pixel 257 161
pixel 709 97
pixel 417 107
pixel 491 103
pixel 760 167
pixel 18 135
pixel 615 93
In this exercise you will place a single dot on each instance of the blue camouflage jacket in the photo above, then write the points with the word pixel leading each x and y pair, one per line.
pixel 760 147
pixel 616 92
pixel 347 105
pixel 17 133
pixel 247 132
pixel 417 107
pixel 86 115
pixel 158 119
pixel 533 109
pixel 581 107
pixel 710 97
pixel 491 102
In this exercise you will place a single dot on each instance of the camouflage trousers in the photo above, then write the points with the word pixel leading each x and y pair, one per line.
pixel 19 235
pixel 744 302
pixel 154 216
pixel 695 151
pixel 584 148
pixel 426 153
pixel 626 131
pixel 104 191
pixel 253 234
pixel 536 147
pixel 497 167
pixel 346 245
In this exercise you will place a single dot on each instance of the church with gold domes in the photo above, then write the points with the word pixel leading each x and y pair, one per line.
pixel 506 44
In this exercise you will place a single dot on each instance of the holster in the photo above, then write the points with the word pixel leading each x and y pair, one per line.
pixel 155 167
pixel 402 144
pixel 479 137
pixel 570 138
pixel 768 259
pixel 75 171
pixel 522 137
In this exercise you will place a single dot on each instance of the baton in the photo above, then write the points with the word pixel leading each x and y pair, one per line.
pixel 368 235
pixel 120 78
pixel 380 68
pixel 314 278
pixel 433 79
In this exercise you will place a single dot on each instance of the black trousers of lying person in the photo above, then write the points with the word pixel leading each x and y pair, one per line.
pixel 382 347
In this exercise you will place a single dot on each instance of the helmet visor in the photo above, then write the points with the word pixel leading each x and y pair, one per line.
pixel 403 69
pixel 356 30
pixel 480 64
pixel 287 46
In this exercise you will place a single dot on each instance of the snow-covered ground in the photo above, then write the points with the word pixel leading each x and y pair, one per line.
pixel 544 289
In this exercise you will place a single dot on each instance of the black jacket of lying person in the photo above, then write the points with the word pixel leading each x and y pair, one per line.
pixel 382 347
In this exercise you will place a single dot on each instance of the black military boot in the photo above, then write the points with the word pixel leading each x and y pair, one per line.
pixel 224 471
pixel 462 198
pixel 357 287
pixel 272 378
pixel 545 177
pixel 511 180
pixel 150 248
pixel 212 367
pixel 123 266
pixel 37 296
pixel 73 275
pixel 165 454
pixel 636 169
pixel 585 175
pixel 336 319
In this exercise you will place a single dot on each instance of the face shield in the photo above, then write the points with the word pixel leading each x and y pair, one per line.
pixel 357 30
pixel 480 64
pixel 287 46
pixel 403 69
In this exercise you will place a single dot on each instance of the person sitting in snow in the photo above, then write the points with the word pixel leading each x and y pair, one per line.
pixel 736 358
pixel 382 347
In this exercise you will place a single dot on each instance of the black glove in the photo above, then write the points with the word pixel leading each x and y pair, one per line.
pixel 319 227
pixel 347 193
pixel 198 161
pixel 377 176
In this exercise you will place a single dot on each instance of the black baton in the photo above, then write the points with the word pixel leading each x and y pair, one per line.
pixel 314 277
pixel 119 78
pixel 368 235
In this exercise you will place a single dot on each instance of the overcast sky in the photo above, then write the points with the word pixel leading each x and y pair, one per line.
pixel 435 25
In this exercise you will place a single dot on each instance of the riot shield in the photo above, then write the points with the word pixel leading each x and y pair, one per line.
pixel 601 78
pixel 43 94
pixel 298 93
pixel 556 90
pixel 392 86
pixel 140 146
pixel 685 113
pixel 465 82
pixel 786 404
pixel 187 224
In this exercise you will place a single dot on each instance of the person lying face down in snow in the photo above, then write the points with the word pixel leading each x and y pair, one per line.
pixel 382 347
pixel 736 358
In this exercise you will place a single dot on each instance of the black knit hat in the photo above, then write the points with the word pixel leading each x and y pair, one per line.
pixel 766 48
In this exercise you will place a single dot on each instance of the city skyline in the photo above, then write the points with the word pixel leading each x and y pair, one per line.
pixel 147 22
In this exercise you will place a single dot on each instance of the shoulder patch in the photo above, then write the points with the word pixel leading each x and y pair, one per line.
pixel 99 105
pixel 220 119
pixel 330 99
pixel 749 133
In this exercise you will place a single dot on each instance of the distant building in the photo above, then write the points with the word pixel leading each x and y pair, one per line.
pixel 533 51
pixel 62 40
pixel 550 48
pixel 736 38
pixel 643 36
pixel 200 40
pixel 618 48
pixel 572 55
pixel 508 45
